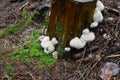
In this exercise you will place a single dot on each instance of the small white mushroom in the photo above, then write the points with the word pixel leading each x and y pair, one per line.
pixel 54 41
pixel 49 13
pixel 77 43
pixel 97 17
pixel 110 19
pixel 88 37
pixel 100 5
pixel 45 39
pixel 45 31
pixel 106 36
pixel 48 47
pixel 55 55
pixel 67 49
pixel 41 37
pixel 94 24
pixel 86 31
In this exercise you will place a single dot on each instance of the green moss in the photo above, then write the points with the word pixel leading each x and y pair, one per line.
pixel 46 19
pixel 24 22
pixel 33 51
pixel 10 69
pixel 60 39
pixel 59 32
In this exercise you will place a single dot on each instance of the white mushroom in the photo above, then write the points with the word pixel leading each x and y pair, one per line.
pixel 67 49
pixel 100 5
pixel 88 37
pixel 106 36
pixel 45 31
pixel 55 55
pixel 77 43
pixel 94 24
pixel 45 39
pixel 86 31
pixel 48 47
pixel 41 37
pixel 110 19
pixel 54 41
pixel 97 17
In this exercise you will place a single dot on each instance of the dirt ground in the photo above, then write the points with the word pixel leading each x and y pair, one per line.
pixel 84 65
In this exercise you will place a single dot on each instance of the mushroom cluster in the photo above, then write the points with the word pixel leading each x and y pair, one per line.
pixel 86 37
pixel 47 44
pixel 77 42
pixel 97 17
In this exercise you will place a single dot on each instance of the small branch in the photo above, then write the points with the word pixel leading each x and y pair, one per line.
pixel 94 65
pixel 31 75
pixel 81 75
pixel 112 56
pixel 117 12
pixel 23 5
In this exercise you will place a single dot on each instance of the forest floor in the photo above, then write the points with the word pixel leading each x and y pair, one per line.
pixel 84 65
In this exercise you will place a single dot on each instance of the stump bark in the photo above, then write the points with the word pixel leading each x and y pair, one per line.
pixel 68 18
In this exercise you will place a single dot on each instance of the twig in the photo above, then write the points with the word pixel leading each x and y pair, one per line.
pixel 23 5
pixel 31 75
pixel 112 56
pixel 81 75
pixel 16 18
pixel 112 10
pixel 99 59
pixel 93 67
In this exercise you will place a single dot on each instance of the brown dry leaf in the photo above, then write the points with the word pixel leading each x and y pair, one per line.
pixel 110 69
pixel 106 74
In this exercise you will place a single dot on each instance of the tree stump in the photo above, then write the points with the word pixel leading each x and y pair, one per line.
pixel 68 18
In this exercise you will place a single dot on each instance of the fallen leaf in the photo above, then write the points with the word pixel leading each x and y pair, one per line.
pixel 109 69
pixel 106 74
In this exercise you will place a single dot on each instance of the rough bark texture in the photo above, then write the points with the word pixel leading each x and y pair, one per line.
pixel 72 16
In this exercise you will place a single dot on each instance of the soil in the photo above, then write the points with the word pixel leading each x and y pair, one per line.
pixel 86 64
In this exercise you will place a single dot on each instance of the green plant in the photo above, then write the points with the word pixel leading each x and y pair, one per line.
pixel 45 24
pixel 46 18
pixel 32 51
pixel 24 22
pixel 10 69
pixel 60 39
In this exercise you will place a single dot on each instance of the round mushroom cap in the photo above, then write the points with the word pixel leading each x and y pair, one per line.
pixel 94 24
pixel 97 17
pixel 88 37
pixel 41 37
pixel 100 5
pixel 54 41
pixel 48 47
pixel 67 49
pixel 85 31
pixel 45 39
pixel 77 43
